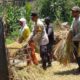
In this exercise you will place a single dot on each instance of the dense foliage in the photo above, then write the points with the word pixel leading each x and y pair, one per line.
pixel 14 13
pixel 11 15
pixel 56 9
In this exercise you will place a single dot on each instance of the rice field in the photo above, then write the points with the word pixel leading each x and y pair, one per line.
pixel 35 72
pixel 56 72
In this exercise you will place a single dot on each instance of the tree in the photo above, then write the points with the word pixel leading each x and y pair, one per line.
pixel 4 75
pixel 56 9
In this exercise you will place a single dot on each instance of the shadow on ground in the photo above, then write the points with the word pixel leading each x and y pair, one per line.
pixel 68 72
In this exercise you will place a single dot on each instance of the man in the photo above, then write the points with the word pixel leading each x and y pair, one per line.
pixel 75 28
pixel 50 33
pixel 40 37
pixel 24 31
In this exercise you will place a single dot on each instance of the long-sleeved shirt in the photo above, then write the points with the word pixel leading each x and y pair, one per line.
pixel 25 32
pixel 39 33
pixel 75 27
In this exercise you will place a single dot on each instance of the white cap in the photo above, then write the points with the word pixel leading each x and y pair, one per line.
pixel 23 20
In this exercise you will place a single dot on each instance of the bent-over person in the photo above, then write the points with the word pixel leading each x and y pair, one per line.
pixel 40 37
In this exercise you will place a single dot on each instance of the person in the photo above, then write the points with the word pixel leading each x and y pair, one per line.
pixel 24 34
pixel 40 37
pixel 75 29
pixel 24 31
pixel 50 33
pixel 31 56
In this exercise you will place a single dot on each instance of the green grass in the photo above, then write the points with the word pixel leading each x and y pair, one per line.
pixel 9 41
pixel 12 37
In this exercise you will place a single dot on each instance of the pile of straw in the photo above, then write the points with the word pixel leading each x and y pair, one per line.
pixel 13 48
pixel 59 52
pixel 69 47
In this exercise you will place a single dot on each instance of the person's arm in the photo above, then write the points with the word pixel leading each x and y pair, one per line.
pixel 71 27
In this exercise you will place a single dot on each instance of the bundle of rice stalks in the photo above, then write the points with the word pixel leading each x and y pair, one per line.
pixel 63 51
pixel 70 47
pixel 13 48
pixel 59 52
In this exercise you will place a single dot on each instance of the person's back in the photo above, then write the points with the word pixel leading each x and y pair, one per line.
pixel 49 30
pixel 50 33
pixel 25 32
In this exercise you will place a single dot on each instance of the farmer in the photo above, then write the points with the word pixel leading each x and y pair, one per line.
pixel 24 34
pixel 24 31
pixel 50 33
pixel 75 28
pixel 39 35
pixel 31 56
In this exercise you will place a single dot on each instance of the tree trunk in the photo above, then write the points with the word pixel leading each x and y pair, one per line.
pixel 4 75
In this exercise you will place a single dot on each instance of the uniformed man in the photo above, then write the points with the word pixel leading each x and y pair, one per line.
pixel 75 29
pixel 40 37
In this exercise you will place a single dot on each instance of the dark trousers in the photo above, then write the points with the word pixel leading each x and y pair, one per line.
pixel 44 55
pixel 49 48
pixel 76 52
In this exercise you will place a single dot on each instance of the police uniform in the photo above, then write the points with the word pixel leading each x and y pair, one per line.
pixel 75 28
pixel 39 36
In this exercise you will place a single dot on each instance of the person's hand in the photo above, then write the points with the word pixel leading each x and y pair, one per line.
pixel 29 41
pixel 20 40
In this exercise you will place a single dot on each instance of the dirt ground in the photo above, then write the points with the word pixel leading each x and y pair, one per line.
pixel 56 72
